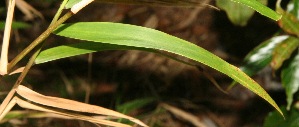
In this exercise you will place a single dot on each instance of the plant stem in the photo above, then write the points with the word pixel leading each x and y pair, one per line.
pixel 59 11
pixel 38 40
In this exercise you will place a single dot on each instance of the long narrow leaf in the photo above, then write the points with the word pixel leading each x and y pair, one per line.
pixel 136 36
pixel 79 49
pixel 259 7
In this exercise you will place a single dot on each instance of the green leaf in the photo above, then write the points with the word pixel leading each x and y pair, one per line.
pixel 71 3
pixel 238 14
pixel 290 79
pixel 283 51
pixel 78 49
pixel 136 36
pixel 261 56
pixel 15 25
pixel 274 120
pixel 259 7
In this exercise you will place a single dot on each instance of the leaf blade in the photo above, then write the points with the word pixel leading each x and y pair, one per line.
pixel 259 7
pixel 129 35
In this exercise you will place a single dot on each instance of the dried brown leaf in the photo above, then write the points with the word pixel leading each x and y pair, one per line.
pixel 70 104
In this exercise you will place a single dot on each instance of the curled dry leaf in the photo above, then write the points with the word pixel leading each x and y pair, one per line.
pixel 62 114
pixel 71 105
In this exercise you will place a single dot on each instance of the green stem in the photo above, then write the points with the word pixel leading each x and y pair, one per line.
pixel 59 11
pixel 38 40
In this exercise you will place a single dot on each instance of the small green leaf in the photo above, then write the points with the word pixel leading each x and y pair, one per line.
pixel 238 14
pixel 291 119
pixel 136 36
pixel 261 56
pixel 283 51
pixel 259 7
pixel 290 79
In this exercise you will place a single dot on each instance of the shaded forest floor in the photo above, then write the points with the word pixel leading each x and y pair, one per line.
pixel 117 77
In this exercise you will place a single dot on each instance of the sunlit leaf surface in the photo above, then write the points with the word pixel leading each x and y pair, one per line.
pixel 136 36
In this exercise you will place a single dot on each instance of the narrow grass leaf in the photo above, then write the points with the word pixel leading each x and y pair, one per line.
pixel 70 104
pixel 136 36
pixel 290 79
pixel 283 51
pixel 259 7
pixel 79 49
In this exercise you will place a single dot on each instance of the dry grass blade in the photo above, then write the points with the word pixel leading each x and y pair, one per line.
pixel 16 114
pixel 6 37
pixel 70 104
pixel 58 112
pixel 32 106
